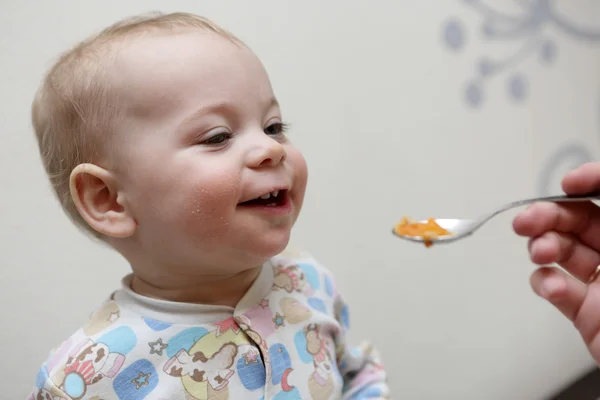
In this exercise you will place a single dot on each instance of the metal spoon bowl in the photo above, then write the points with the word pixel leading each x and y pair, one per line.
pixel 462 228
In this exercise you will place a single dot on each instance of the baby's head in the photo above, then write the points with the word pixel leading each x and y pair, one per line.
pixel 159 134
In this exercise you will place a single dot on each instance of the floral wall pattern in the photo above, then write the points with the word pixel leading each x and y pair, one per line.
pixel 531 33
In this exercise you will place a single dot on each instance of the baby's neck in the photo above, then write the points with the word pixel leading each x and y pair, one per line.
pixel 209 290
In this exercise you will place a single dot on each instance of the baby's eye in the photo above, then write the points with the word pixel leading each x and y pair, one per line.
pixel 276 128
pixel 219 138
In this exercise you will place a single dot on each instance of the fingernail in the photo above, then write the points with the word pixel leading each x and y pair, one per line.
pixel 532 255
pixel 534 249
pixel 550 287
pixel 542 245
pixel 525 212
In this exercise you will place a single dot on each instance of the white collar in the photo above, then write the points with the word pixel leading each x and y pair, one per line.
pixel 189 313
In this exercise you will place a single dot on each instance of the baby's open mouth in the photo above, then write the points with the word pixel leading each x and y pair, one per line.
pixel 271 199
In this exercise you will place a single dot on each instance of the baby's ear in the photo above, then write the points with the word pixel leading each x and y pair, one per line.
pixel 97 197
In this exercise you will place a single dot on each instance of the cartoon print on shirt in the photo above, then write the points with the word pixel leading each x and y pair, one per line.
pixel 294 311
pixel 251 356
pixel 321 382
pixel 246 326
pixel 87 364
pixel 44 394
pixel 226 325
pixel 102 318
pixel 78 365
pixel 216 369
pixel 283 344
pixel 280 357
pixel 291 279
pixel 157 347
pixel 204 360
pixel 279 320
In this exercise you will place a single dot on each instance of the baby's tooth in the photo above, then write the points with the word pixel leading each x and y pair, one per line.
pixel 275 193
pixel 265 196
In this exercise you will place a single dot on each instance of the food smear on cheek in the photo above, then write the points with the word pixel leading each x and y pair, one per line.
pixel 427 230
pixel 207 215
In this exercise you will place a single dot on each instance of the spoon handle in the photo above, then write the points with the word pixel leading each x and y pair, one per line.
pixel 555 199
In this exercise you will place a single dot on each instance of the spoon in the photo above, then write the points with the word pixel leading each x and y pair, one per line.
pixel 461 228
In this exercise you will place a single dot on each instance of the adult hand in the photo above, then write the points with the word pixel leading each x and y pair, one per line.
pixel 568 234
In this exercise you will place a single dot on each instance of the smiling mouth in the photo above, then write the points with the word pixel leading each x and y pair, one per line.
pixel 276 198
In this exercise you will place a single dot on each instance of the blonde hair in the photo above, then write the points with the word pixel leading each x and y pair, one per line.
pixel 73 112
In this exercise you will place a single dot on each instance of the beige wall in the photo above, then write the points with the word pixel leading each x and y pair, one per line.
pixel 378 96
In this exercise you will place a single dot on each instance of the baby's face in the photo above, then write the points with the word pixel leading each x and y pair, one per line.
pixel 203 136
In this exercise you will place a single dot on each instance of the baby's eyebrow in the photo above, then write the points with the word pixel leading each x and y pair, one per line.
pixel 273 103
pixel 224 108
pixel 217 108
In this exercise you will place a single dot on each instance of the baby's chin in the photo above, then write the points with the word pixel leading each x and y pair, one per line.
pixel 271 246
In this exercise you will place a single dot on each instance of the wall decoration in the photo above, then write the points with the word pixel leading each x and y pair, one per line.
pixel 532 30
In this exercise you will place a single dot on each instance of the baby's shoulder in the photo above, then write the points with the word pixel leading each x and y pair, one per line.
pixel 96 350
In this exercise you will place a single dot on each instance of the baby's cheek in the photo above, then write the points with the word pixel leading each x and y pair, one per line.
pixel 300 171
pixel 208 208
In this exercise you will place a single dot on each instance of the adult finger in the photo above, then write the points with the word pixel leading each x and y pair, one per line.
pixel 583 179
pixel 582 219
pixel 587 321
pixel 565 293
pixel 565 250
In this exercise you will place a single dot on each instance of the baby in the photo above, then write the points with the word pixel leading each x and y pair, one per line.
pixel 162 138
